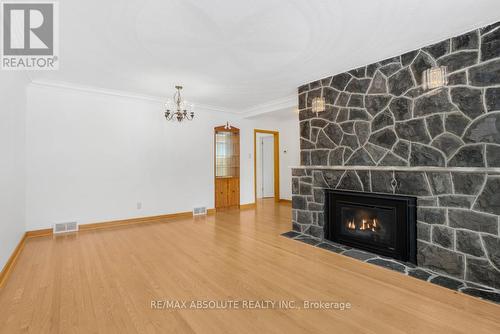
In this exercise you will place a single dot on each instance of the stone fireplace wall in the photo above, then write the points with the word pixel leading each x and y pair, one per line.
pixel 379 115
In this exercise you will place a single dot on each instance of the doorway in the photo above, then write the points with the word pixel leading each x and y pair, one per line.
pixel 266 164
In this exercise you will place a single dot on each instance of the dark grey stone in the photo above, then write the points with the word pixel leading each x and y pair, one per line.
pixel 315 84
pixel 490 45
pixel 421 63
pixel 400 82
pixel 304 217
pixel 307 240
pixel 343 99
pixel 303 88
pixel 416 92
pixel 408 57
pixel 486 74
pixel 347 153
pixel 336 157
pixel 467 183
pixel 295 185
pixel 350 181
pixel 356 101
pixel 483 294
pixel 363 256
pixel 435 216
pixel 390 69
pixel 411 183
pixel 305 158
pixel 443 236
pixel 456 123
pixel 435 125
pixel 347 127
pixel 485 129
pixel 489 199
pixel 378 85
pixel 428 201
pixel 389 60
pixel 493 155
pixel 314 134
pixel 305 189
pixel 358 72
pixel 391 159
pixel 376 103
pixel 439 49
pixel 419 273
pixel 469 242
pixel 447 282
pixel 440 183
pixel 456 201
pixel 358 85
pixel 319 180
pixel 489 28
pixel 317 232
pixel 382 120
pixel 299 202
pixel 423 231
pixel 319 195
pixel 306 114
pixel 298 172
pixel 459 60
pixel 342 115
pixel 493 99
pixel 371 69
pixel 306 179
pixel 482 272
pixel 401 108
pixel 468 100
pixel 385 138
pixel 362 131
pixel 319 157
pixel 290 234
pixel 340 81
pixel 422 155
pixel 440 259
pixel 437 102
pixel 360 158
pixel 388 264
pixel 334 132
pixel 376 152
pixel 447 143
pixel 330 247
pixel 358 114
pixel 457 78
pixel 468 156
pixel 413 130
pixel 326 81
pixel 332 177
pixel 364 176
pixel 330 113
pixel 330 95
pixel 381 181
pixel 302 101
pixel 473 221
pixel 305 130
pixel 319 122
pixel 492 245
pixel 468 41
pixel 350 141
pixel 402 149
pixel 306 144
pixel 323 141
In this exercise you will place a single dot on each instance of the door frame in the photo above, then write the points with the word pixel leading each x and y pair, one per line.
pixel 276 136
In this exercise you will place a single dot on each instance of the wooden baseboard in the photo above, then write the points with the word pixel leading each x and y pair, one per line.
pixel 247 206
pixel 39 233
pixel 12 260
pixel 282 200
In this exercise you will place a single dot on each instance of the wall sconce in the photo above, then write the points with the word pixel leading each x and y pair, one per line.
pixel 434 77
pixel 318 105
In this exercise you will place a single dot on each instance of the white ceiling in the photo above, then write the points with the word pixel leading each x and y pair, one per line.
pixel 237 54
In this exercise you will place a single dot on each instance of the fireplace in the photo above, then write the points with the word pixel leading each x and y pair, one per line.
pixel 379 223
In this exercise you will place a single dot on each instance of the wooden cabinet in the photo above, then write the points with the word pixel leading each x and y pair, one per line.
pixel 227 167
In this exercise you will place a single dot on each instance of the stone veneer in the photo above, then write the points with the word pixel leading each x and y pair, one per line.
pixel 378 115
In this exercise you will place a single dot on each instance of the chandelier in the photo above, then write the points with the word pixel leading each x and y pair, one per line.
pixel 183 110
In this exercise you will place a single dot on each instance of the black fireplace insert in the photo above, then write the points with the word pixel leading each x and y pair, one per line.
pixel 379 223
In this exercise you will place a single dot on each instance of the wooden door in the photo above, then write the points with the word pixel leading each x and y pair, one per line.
pixel 233 191
pixel 227 166
pixel 221 192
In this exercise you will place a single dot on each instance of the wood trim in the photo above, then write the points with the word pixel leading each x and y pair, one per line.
pixel 133 221
pixel 247 206
pixel 12 260
pixel 39 233
pixel 283 200
pixel 276 136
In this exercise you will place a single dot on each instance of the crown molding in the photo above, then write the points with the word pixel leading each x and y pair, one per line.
pixel 119 93
pixel 273 105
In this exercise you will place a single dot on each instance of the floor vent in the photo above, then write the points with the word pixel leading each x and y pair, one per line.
pixel 202 210
pixel 65 227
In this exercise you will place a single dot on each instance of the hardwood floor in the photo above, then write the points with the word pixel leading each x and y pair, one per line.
pixel 103 281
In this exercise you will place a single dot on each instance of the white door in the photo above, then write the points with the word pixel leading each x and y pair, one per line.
pixel 265 166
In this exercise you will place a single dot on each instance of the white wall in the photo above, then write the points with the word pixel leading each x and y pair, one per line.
pixel 92 157
pixel 12 150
